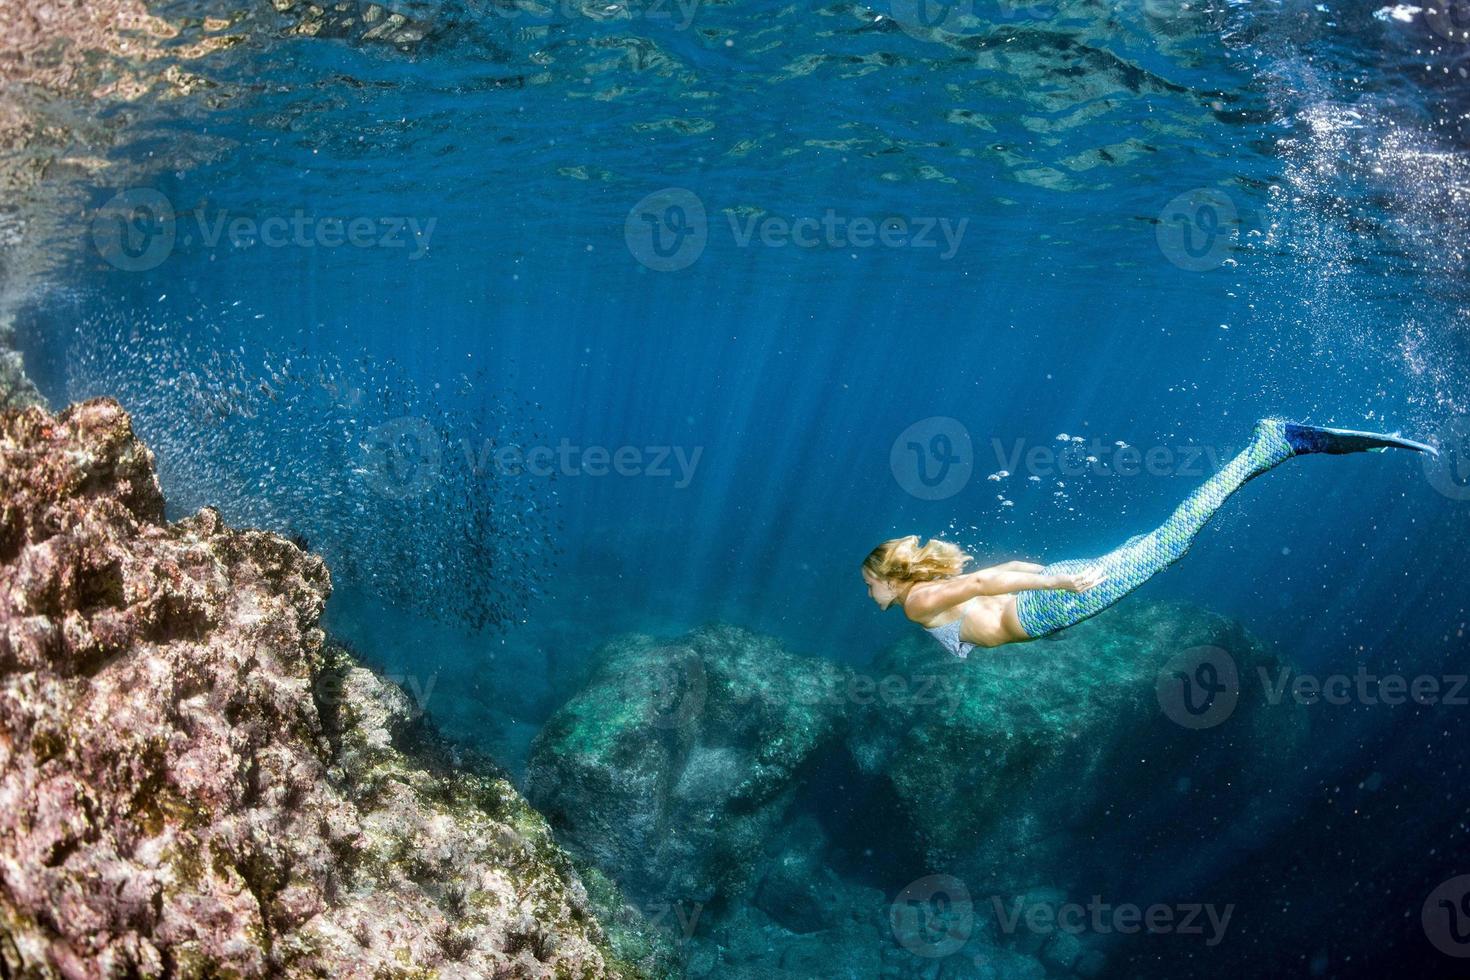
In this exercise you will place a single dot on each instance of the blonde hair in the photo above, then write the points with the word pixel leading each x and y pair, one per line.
pixel 905 560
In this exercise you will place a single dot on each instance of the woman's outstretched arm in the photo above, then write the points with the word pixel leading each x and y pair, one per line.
pixel 1016 566
pixel 999 581
pixel 932 598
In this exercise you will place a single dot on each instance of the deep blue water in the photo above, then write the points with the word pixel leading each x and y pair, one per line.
pixel 1317 272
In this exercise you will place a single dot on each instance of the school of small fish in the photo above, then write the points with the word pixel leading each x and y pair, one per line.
pixel 350 459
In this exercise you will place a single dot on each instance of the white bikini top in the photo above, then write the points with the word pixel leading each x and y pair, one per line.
pixel 949 635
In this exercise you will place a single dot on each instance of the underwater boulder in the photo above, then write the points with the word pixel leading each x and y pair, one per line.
pixel 16 389
pixel 749 945
pixel 195 782
pixel 1073 761
pixel 799 890
pixel 679 759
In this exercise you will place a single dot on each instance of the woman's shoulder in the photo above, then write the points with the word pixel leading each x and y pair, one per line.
pixel 913 605
pixel 919 605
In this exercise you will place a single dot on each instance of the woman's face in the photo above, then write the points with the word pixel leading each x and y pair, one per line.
pixel 880 590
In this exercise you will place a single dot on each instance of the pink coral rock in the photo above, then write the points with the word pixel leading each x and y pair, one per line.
pixel 195 782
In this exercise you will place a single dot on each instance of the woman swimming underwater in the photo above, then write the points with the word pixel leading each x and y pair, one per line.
pixel 1020 601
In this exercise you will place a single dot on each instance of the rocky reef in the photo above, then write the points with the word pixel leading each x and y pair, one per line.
pixel 16 389
pixel 881 821
pixel 195 782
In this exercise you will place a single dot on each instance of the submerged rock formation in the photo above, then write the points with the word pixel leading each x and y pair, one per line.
pixel 16 389
pixel 1065 741
pixel 780 790
pixel 194 782
pixel 677 761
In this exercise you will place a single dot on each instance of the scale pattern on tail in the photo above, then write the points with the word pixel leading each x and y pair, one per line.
pixel 1144 555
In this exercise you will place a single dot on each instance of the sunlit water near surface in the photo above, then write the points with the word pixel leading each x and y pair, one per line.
pixel 715 260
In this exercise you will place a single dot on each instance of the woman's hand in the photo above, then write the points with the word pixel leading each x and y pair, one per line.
pixel 1082 581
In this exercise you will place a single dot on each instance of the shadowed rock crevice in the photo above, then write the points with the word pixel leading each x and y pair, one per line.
pixel 854 811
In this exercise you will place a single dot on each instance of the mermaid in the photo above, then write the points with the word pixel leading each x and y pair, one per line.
pixel 1019 601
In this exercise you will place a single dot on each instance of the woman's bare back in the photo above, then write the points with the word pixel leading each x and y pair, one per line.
pixel 986 620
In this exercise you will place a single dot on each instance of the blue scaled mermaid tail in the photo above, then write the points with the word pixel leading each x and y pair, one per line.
pixel 1044 612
